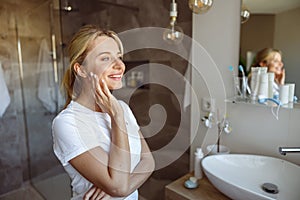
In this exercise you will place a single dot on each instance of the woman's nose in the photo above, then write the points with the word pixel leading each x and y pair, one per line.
pixel 119 63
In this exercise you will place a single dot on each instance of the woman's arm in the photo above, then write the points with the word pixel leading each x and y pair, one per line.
pixel 144 168
pixel 141 172
pixel 111 171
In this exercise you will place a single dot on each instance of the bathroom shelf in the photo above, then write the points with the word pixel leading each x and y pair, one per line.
pixel 269 104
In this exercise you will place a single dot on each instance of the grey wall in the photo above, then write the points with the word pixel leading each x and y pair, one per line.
pixel 218 32
pixel 257 33
pixel 286 38
pixel 255 129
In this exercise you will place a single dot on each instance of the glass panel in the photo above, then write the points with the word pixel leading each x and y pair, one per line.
pixel 29 100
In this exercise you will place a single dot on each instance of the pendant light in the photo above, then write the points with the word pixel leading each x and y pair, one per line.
pixel 200 6
pixel 173 34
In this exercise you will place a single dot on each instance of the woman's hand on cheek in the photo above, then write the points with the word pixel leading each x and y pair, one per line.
pixel 281 77
pixel 103 97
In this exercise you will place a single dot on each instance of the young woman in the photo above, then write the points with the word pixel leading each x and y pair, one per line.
pixel 272 59
pixel 96 137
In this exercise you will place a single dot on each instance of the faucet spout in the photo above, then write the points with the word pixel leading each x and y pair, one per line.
pixel 285 150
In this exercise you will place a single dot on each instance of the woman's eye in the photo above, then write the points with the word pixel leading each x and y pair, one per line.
pixel 106 58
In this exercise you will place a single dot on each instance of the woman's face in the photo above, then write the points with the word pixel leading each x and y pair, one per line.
pixel 105 60
pixel 275 64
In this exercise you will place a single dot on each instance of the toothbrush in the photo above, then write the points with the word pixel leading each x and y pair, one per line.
pixel 245 84
pixel 235 80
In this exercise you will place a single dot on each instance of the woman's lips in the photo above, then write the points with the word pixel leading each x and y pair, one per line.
pixel 115 76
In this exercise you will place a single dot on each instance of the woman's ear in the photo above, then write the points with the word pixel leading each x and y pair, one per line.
pixel 78 69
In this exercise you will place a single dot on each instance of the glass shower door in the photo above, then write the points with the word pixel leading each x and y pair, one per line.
pixel 30 73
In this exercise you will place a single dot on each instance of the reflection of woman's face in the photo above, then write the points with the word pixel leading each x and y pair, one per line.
pixel 105 60
pixel 275 64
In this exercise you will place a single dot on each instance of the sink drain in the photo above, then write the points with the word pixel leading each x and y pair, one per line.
pixel 270 188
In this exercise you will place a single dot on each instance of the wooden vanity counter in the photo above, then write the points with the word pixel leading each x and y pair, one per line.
pixel 205 190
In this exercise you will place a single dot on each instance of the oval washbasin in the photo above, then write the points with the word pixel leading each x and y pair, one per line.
pixel 253 177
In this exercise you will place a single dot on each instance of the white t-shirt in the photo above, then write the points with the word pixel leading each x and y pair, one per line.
pixel 78 129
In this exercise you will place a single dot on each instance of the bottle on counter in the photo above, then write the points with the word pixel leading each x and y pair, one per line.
pixel 197 163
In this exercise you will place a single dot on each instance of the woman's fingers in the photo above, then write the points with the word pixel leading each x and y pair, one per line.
pixel 101 196
pixel 98 85
pixel 282 77
pixel 106 197
pixel 97 88
pixel 89 193
pixel 105 88
pixel 95 193
pixel 103 97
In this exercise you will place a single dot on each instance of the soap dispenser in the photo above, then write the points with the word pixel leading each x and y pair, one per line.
pixel 197 163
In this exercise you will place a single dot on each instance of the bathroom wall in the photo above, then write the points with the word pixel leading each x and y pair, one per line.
pixel 255 129
pixel 286 38
pixel 218 32
pixel 257 33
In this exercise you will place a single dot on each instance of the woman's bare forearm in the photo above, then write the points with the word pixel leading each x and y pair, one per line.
pixel 144 169
pixel 141 173
pixel 119 156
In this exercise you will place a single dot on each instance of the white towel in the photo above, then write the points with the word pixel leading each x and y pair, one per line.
pixel 4 94
pixel 46 84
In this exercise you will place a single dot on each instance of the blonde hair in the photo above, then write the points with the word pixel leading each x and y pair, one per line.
pixel 264 56
pixel 78 49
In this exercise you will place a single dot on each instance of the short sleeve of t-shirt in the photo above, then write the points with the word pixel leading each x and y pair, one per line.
pixel 129 116
pixel 67 141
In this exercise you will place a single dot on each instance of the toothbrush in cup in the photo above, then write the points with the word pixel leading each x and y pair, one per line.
pixel 235 81
pixel 245 86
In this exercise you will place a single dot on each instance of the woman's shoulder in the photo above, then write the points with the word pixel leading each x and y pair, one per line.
pixel 124 104
pixel 67 115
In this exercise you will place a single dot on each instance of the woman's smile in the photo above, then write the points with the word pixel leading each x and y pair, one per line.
pixel 115 77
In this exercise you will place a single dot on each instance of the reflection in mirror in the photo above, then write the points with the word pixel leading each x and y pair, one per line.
pixel 275 28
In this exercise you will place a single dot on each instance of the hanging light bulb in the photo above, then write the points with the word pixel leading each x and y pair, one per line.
pixel 173 33
pixel 245 15
pixel 200 6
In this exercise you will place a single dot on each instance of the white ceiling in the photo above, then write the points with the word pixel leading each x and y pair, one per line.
pixel 270 6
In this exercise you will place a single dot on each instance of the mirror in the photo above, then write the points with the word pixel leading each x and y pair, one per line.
pixel 274 23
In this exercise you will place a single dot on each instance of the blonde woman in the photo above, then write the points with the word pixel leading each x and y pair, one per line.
pixel 272 59
pixel 96 137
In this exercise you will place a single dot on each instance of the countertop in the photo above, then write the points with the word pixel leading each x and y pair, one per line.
pixel 205 190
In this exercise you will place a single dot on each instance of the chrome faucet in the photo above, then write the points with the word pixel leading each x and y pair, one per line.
pixel 285 150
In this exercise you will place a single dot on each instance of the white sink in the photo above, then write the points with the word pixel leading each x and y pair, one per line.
pixel 242 176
